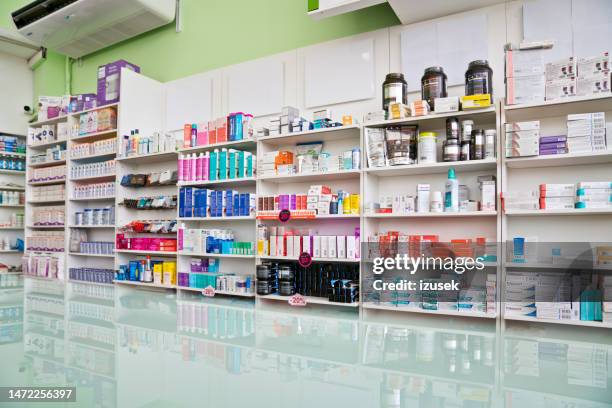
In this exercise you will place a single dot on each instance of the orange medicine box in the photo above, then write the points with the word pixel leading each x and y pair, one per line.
pixel 283 157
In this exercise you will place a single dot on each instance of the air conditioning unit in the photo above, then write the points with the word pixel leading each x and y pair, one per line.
pixel 80 27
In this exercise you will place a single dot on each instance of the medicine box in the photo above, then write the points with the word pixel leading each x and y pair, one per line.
pixel 590 66
pixel 563 68
pixel 560 88
pixel 522 126
pixel 448 104
pixel 526 89
pixel 593 85
pixel 523 63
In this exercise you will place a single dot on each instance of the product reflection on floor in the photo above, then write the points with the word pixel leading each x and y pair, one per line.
pixel 125 347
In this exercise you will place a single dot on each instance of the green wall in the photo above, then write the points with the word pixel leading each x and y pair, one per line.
pixel 215 33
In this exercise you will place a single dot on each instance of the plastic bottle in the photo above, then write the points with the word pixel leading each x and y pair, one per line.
pixel 194 166
pixel 451 192
pixel 199 167
pixel 180 168
pixel 206 167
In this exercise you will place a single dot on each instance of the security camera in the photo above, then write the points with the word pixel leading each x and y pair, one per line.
pixel 27 110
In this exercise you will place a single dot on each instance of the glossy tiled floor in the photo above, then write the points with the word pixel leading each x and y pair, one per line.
pixel 124 347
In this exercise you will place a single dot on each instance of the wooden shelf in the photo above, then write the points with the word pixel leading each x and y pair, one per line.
pixel 438 118
pixel 434 168
pixel 149 158
pixel 308 177
pixel 90 137
pixel 559 160
pixel 571 211
pixel 47 164
pixel 466 214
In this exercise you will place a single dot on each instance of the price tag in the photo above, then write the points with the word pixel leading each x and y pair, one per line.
pixel 305 260
pixel 284 215
pixel 297 300
pixel 209 291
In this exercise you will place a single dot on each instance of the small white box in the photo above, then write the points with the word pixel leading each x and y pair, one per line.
pixel 351 243
pixel 290 253
pixel 487 200
pixel 522 126
pixel 561 69
pixel 312 199
pixel 423 200
pixel 332 246
pixel 594 85
pixel 281 246
pixel 448 104
pixel 341 246
pixel 316 246
pixel 273 246
pixel 560 88
pixel 297 245
pixel 529 89
pixel 306 247
pixel 590 66
pixel 312 206
pixel 325 198
pixel 324 247
pixel 522 63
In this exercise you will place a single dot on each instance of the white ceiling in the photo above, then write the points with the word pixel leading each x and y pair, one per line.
pixel 412 11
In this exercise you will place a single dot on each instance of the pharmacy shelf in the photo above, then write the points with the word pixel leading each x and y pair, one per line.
pixel 46 226
pixel 342 7
pixel 434 312
pixel 438 118
pixel 47 144
pixel 309 300
pixel 149 158
pixel 91 255
pixel 58 201
pixel 11 205
pixel 92 137
pixel 466 214
pixel 217 292
pixel 294 259
pixel 144 252
pixel 10 251
pixel 558 160
pixel 318 135
pixel 571 211
pixel 76 114
pixel 562 107
pixel 143 284
pixel 310 218
pixel 233 182
pixel 433 168
pixel 215 219
pixel 106 177
pixel 244 143
pixel 51 121
pixel 12 154
pixel 568 266
pixel 11 228
pixel 216 255
pixel 94 156
pixel 11 188
pixel 563 322
pixel 46 182
pixel 47 164
pixel 93 199
pixel 308 177
pixel 89 282
pixel 91 226
pixel 17 172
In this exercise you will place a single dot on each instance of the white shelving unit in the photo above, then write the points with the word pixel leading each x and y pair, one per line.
pixel 32 205
pixel 12 181
pixel 555 226
pixel 403 179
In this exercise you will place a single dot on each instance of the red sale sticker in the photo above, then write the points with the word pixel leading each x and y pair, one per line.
pixel 284 215
pixel 305 260
pixel 209 291
pixel 297 300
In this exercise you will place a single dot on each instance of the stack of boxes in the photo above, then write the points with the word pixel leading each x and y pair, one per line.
pixel 586 132
pixel 593 75
pixel 276 163
pixel 319 198
pixel 553 295
pixel 520 293
pixel 202 202
pixel 551 145
pixel 525 80
pixel 594 194
pixel 557 196
pixel 606 286
pixel 522 138
pixel 560 79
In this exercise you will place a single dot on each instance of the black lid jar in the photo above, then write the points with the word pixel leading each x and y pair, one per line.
pixel 433 85
pixel 395 90
pixel 479 78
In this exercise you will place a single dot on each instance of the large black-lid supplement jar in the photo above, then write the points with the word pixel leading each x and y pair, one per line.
pixel 479 78
pixel 395 90
pixel 433 85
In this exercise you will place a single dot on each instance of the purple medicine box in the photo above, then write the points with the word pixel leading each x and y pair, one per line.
pixel 109 80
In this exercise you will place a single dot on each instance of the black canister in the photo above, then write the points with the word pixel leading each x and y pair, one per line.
pixel 479 78
pixel 286 288
pixel 264 272
pixel 395 90
pixel 452 128
pixel 433 85
pixel 286 273
pixel 265 287
pixel 477 145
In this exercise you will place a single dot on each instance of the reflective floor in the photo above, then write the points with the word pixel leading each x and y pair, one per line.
pixel 124 347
